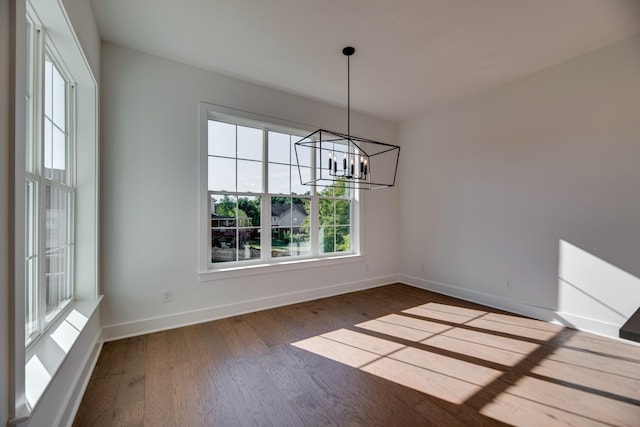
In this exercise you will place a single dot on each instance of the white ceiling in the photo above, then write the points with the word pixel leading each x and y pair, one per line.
pixel 411 55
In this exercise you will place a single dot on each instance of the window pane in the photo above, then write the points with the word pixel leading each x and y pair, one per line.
pixel 249 208
pixel 31 218
pixel 341 189
pixel 279 179
pixel 55 139
pixel 343 239
pixel 249 176
pixel 249 143
pixel 56 278
pixel 29 142
pixel 280 242
pixel 327 239
pixel 324 190
pixel 301 154
pixel 281 211
pixel 279 148
pixel 224 211
pixel 326 211
pixel 222 174
pixel 343 212
pixel 223 245
pixel 300 241
pixel 235 232
pixel 59 98
pixel 59 150
pixel 58 217
pixel 31 261
pixel 48 144
pixel 29 160
pixel 29 61
pixel 249 243
pixel 296 185
pixel 30 299
pixel 222 139
pixel 300 209
pixel 48 92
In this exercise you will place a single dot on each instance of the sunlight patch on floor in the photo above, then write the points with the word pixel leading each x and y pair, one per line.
pixel 598 362
pixel 595 379
pixel 443 351
pixel 479 351
pixel 395 330
pixel 447 316
pixel 343 353
pixel 491 340
pixel 532 398
pixel 427 381
pixel 515 330
pixel 365 342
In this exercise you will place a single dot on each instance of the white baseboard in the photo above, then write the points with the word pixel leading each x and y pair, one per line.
pixel 541 313
pixel 590 325
pixel 155 324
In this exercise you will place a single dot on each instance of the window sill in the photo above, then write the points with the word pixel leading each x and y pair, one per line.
pixel 45 356
pixel 276 267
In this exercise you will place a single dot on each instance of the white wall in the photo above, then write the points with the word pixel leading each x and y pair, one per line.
pixel 149 201
pixel 536 182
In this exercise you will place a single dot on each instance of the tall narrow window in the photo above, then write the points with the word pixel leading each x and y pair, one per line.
pixel 259 211
pixel 49 189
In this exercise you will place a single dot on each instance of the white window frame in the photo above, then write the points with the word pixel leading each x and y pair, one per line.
pixel 34 367
pixel 40 48
pixel 214 271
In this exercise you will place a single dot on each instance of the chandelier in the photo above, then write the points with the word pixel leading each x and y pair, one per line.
pixel 351 161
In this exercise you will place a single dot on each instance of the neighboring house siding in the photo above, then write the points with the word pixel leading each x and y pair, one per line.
pixel 285 218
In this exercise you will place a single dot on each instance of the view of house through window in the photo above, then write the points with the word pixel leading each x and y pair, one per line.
pixel 258 208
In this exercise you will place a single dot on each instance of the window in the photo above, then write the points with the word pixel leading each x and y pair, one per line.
pixel 49 186
pixel 258 211
pixel 56 208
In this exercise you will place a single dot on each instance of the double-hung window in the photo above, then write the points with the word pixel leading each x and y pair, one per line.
pixel 258 212
pixel 49 185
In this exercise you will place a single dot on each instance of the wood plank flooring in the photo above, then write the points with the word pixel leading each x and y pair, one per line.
pixel 389 356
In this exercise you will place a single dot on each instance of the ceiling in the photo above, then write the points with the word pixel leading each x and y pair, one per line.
pixel 411 55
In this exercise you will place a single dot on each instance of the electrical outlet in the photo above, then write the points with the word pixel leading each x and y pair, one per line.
pixel 509 284
pixel 167 295
pixel 422 268
pixel 366 268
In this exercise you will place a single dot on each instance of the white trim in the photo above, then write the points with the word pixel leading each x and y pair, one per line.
pixel 569 320
pixel 276 267
pixel 155 324
pixel 16 382
pixel 49 352
pixel 75 395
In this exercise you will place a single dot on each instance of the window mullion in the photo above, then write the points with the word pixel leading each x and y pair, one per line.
pixel 40 221
pixel 41 236
pixel 314 223
pixel 265 225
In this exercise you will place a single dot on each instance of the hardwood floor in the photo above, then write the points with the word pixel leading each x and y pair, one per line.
pixel 389 356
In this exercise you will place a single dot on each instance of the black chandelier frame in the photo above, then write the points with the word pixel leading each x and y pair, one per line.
pixel 347 159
